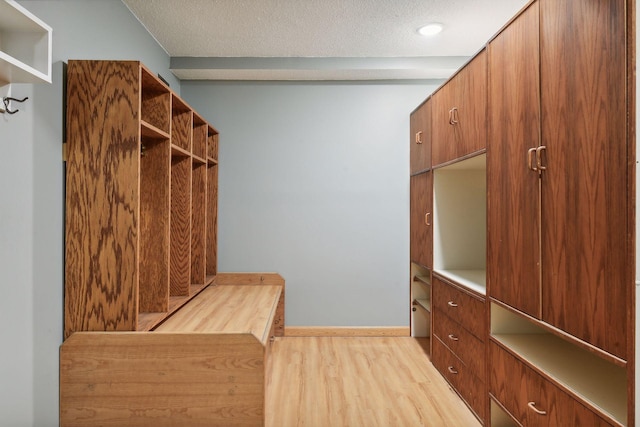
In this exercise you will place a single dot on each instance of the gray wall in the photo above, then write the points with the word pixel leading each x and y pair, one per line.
pixel 31 207
pixel 314 184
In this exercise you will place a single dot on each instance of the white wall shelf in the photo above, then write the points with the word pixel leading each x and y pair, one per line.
pixel 25 46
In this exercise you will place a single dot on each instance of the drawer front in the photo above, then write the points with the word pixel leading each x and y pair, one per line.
pixel 530 398
pixel 460 306
pixel 470 387
pixel 467 347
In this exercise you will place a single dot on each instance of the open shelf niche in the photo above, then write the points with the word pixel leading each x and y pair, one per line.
pixel 25 46
pixel 600 384
pixel 420 301
pixel 460 218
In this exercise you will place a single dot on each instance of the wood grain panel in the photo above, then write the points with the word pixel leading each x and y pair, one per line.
pixel 211 250
pixel 421 234
pixel 180 226
pixel 467 310
pixel 156 101
pixel 163 379
pixel 155 182
pixel 181 124
pixel 584 199
pixel 198 222
pixel 101 243
pixel 420 153
pixel 513 230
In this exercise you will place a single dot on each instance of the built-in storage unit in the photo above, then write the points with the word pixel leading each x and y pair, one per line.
pixel 140 199
pixel 25 46
pixel 538 230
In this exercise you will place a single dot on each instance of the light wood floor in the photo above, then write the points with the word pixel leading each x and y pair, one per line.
pixel 358 382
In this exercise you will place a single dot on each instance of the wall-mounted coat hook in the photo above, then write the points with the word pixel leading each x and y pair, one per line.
pixel 6 100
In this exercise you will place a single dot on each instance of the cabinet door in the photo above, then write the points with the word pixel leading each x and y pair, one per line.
pixel 513 235
pixel 459 113
pixel 421 218
pixel 421 138
pixel 585 243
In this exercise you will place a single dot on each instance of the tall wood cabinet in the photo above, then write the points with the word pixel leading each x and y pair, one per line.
pixel 421 214
pixel 141 190
pixel 559 292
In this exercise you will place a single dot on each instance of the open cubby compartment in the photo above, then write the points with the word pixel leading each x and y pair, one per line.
pixel 198 222
pixel 420 301
pixel 156 101
pixel 181 124
pixel 600 384
pixel 460 218
pixel 199 137
pixel 153 281
pixel 212 144
pixel 180 255
pixel 25 46
pixel 212 221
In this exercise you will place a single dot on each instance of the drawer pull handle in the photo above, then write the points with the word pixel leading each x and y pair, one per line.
pixel 419 137
pixel 452 370
pixel 452 304
pixel 426 219
pixel 532 405
pixel 453 337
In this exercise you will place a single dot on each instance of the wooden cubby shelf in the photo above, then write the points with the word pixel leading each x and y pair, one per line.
pixel 142 182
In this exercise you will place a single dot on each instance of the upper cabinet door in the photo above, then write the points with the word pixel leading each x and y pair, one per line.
pixel 585 203
pixel 421 234
pixel 421 138
pixel 459 113
pixel 513 267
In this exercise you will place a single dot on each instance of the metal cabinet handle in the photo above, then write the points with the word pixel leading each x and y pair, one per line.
pixel 453 337
pixel 452 304
pixel 426 218
pixel 539 157
pixel 530 163
pixel 453 116
pixel 452 370
pixel 419 137
pixel 532 405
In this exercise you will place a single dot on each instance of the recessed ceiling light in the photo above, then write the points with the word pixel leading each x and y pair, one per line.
pixel 430 29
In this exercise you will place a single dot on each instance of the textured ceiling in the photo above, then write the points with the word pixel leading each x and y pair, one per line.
pixel 362 29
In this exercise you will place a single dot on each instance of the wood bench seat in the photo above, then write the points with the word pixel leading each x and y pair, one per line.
pixel 206 365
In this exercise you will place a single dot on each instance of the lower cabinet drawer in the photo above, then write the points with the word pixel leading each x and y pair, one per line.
pixel 468 310
pixel 530 398
pixel 467 347
pixel 470 387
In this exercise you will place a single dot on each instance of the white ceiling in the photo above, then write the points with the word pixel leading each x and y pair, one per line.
pixel 319 39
